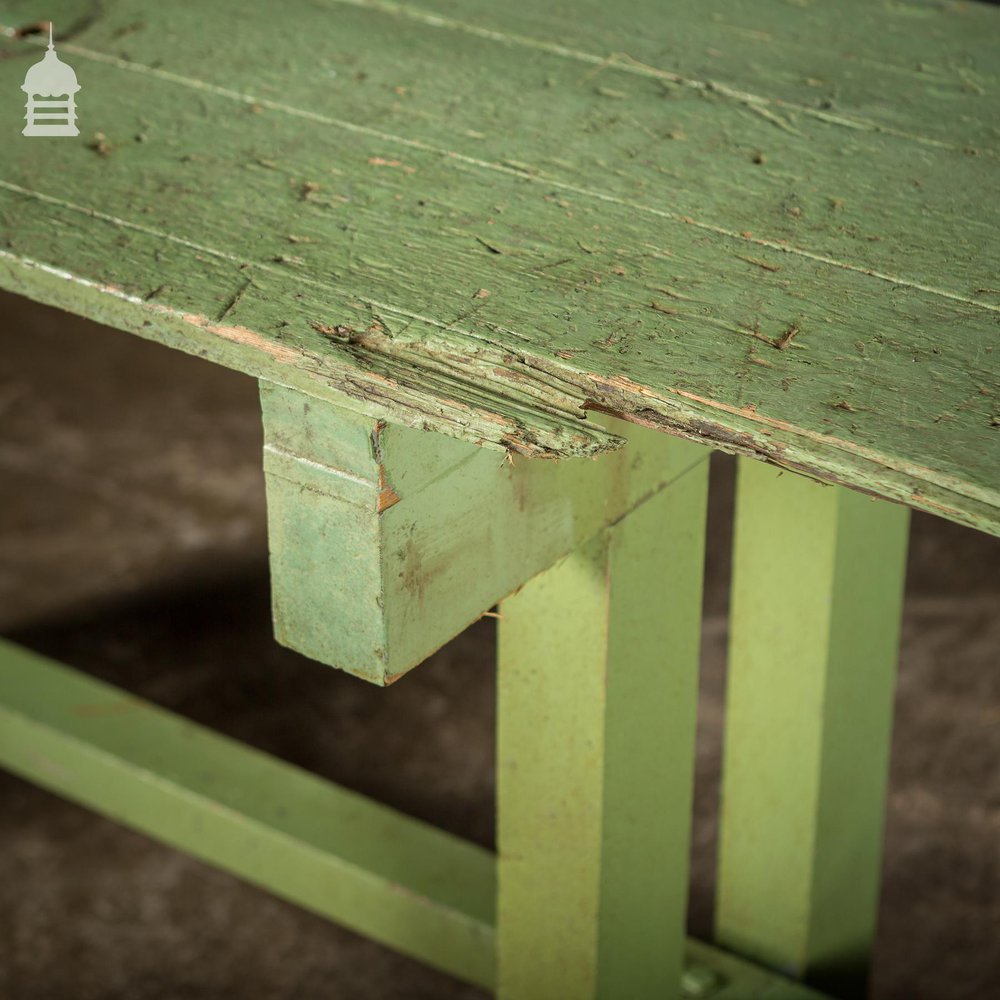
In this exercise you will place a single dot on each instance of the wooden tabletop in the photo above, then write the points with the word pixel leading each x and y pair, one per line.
pixel 771 225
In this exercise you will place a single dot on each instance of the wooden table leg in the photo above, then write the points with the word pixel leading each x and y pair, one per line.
pixel 817 593
pixel 596 720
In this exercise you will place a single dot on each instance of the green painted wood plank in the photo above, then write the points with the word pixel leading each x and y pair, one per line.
pixel 920 68
pixel 402 40
pixel 817 595
pixel 386 542
pixel 596 713
pixel 655 198
pixel 392 878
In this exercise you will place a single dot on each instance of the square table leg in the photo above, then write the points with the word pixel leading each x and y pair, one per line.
pixel 596 723
pixel 816 602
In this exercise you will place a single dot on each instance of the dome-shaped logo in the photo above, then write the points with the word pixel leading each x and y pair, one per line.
pixel 51 88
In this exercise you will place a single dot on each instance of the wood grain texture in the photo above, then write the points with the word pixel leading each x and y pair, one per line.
pixel 767 226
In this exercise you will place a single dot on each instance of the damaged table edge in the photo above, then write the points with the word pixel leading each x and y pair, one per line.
pixel 493 417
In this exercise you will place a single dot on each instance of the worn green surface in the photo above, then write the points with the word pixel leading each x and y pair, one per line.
pixel 392 878
pixel 387 541
pixel 598 664
pixel 817 595
pixel 654 195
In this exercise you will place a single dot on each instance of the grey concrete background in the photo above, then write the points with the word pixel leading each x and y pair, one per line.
pixel 132 545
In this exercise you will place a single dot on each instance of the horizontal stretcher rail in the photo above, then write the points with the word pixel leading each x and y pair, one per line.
pixel 399 881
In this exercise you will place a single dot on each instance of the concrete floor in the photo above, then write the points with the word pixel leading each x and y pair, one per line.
pixel 132 545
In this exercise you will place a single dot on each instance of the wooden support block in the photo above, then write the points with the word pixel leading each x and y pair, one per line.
pixel 596 719
pixel 817 594
pixel 387 541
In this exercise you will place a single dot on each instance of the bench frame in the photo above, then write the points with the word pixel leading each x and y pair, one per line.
pixel 597 699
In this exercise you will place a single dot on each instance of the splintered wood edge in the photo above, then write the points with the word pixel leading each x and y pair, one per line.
pixel 514 408
pixel 498 416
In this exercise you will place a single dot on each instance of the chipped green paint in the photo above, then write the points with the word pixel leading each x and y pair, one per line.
pixel 817 597
pixel 597 700
pixel 386 542
pixel 759 225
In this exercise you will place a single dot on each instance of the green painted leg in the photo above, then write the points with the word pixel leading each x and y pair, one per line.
pixel 817 592
pixel 597 698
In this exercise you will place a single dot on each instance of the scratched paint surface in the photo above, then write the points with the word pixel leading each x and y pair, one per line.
pixel 764 225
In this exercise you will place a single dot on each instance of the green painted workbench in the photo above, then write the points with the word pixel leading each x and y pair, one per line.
pixel 506 273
